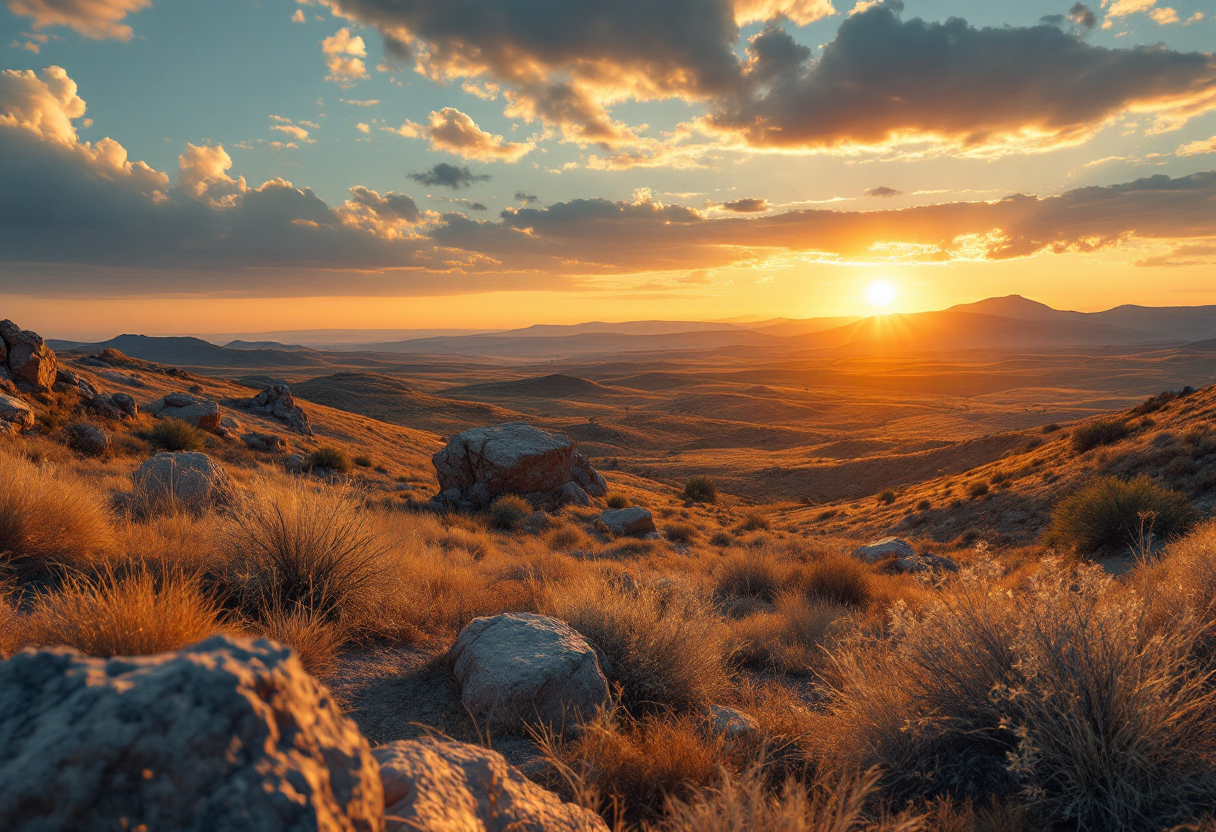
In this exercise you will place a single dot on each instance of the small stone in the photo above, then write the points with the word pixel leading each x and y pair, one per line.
pixel 888 547
pixel 732 723
pixel 636 521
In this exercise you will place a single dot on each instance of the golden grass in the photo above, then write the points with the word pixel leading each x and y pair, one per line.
pixel 315 639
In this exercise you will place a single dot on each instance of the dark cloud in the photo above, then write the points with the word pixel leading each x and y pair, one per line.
pixel 751 205
pixel 1082 15
pixel 449 176
pixel 883 80
pixel 389 206
pixel 883 191
pixel 526 198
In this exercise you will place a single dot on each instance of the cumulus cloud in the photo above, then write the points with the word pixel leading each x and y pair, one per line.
pixel 455 132
pixel 1083 16
pixel 449 176
pixel 526 198
pixel 97 19
pixel 883 191
pixel 344 54
pixel 1197 147
pixel 884 81
pixel 298 16
pixel 751 205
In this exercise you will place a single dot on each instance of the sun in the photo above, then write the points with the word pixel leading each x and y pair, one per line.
pixel 880 293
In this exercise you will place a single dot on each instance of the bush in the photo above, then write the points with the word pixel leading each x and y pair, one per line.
pixel 977 489
pixel 790 639
pixel 363 461
pixel 315 639
pixel 1114 512
pixel 680 532
pixel 1105 432
pixel 755 523
pixel 128 615
pixel 300 549
pixel 701 489
pixel 1052 428
pixel 618 500
pixel 748 577
pixel 327 456
pixel 47 520
pixel 175 435
pixel 887 497
pixel 924 505
pixel 508 512
pixel 838 579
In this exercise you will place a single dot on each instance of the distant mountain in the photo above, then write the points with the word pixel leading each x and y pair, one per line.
pixel 549 347
pixel 195 352
pixel 555 386
pixel 1016 307
pixel 805 326
pixel 624 328
pixel 263 345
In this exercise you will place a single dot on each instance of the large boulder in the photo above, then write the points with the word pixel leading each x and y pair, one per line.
pixel 544 468
pixel 523 667
pixel 28 359
pixel 228 734
pixel 202 413
pixel 885 549
pixel 15 415
pixel 437 785
pixel 276 401
pixel 636 521
pixel 87 438
pixel 192 480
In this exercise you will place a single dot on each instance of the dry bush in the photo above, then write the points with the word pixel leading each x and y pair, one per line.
pixel 1095 434
pixel 129 614
pixel 47 519
pixel 615 499
pixel 567 537
pixel 508 512
pixel 175 435
pixel 753 522
pixel 1114 512
pixel 680 532
pixel 635 766
pixel 791 639
pixel 9 620
pixel 839 579
pixel 665 647
pixel 315 639
pixel 330 457
pixel 296 546
pixel 1060 695
pixel 758 576
pixel 701 489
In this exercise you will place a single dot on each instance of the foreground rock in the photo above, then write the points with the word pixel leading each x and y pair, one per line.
pixel 635 521
pixel 523 667
pixel 276 401
pixel 440 785
pixel 227 734
pixel 543 468
pixel 15 415
pixel 115 406
pixel 87 438
pixel 26 358
pixel 201 413
pixel 192 480
pixel 888 547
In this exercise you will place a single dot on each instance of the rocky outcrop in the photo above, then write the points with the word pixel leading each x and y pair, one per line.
pixel 15 415
pixel 441 785
pixel 188 479
pixel 115 406
pixel 523 667
pixel 228 734
pixel 87 438
pixel 27 359
pixel 635 521
pixel 887 548
pixel 202 413
pixel 277 402
pixel 265 442
pixel 923 564
pixel 544 468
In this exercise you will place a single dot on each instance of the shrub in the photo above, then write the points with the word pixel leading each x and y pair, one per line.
pixel 175 435
pixel 295 548
pixel 887 497
pixel 721 539
pixel 1105 432
pixel 363 461
pixel 790 639
pixel 701 489
pixel 508 512
pixel 618 500
pixel 924 505
pixel 665 647
pixel 327 456
pixel 1052 428
pixel 755 523
pixel 838 579
pixel 977 489
pixel 315 639
pixel 1114 512
pixel 46 519
pixel 123 615
pixel 748 577
pixel 680 532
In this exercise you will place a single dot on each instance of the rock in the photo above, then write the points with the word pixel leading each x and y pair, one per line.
pixel 446 786
pixel 635 521
pixel 116 406
pixel 923 564
pixel 28 358
pixel 87 438
pixel 191 479
pixel 16 414
pixel 227 734
pixel 229 426
pixel 537 521
pixel 265 442
pixel 527 667
pixel 125 403
pixel 481 464
pixel 201 413
pixel 888 547
pixel 277 401
pixel 295 464
pixel 732 723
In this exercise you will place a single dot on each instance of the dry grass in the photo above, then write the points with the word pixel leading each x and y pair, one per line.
pixel 1110 512
pixel 750 576
pixel 839 579
pixel 48 519
pixel 315 639
pixel 117 614
pixel 792 639
pixel 508 512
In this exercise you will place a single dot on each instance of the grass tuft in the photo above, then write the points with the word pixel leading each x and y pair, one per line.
pixel 508 512
pixel 1110 512
pixel 701 489
pixel 331 458
pixel 1104 432
pixel 175 435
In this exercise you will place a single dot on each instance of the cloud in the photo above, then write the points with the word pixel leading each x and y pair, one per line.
pixel 96 19
pixel 526 198
pixel 884 82
pixel 1115 9
pixel 363 128
pixel 344 54
pixel 1190 255
pixel 883 191
pixel 449 176
pixel 750 205
pixel 1083 16
pixel 454 132
pixel 371 102
pixel 1197 147
pixel 472 205
pixel 298 17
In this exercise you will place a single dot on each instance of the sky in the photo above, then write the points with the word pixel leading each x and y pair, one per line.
pixel 221 166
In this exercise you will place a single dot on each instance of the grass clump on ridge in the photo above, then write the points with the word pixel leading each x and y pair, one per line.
pixel 330 458
pixel 175 435
pixel 1095 434
pixel 1110 512
pixel 701 489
